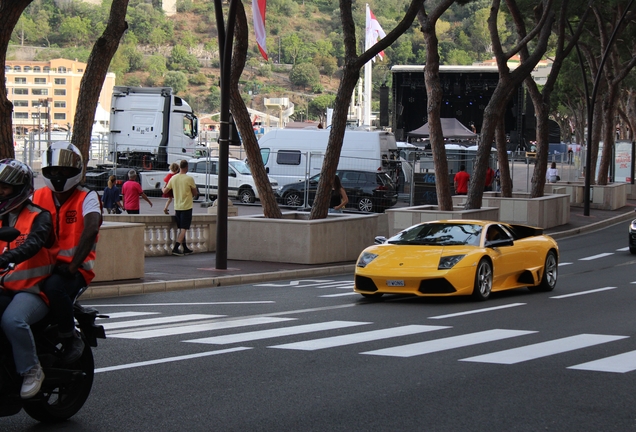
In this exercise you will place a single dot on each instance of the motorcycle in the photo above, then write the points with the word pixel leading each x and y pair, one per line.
pixel 66 387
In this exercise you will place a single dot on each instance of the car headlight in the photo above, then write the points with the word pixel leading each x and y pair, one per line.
pixel 280 189
pixel 448 262
pixel 632 227
pixel 365 259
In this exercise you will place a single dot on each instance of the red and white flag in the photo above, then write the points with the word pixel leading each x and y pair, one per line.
pixel 374 32
pixel 258 11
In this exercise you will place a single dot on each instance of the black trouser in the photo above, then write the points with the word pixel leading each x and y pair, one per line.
pixel 61 291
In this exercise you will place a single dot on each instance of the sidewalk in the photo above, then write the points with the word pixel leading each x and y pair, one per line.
pixel 170 273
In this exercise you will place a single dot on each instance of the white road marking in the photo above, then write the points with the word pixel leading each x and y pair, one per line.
pixel 155 321
pixel 297 283
pixel 170 359
pixel 477 311
pixel 625 249
pixel 180 304
pixel 115 315
pixel 195 328
pixel 561 264
pixel 279 332
pixel 543 349
pixel 448 343
pixel 340 294
pixel 593 257
pixel 583 292
pixel 620 363
pixel 336 341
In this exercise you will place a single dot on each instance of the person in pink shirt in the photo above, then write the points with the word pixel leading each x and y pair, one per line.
pixel 131 192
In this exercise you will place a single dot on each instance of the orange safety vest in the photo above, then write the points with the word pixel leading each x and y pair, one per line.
pixel 27 275
pixel 69 225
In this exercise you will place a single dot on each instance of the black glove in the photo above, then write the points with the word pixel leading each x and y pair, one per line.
pixel 63 270
pixel 4 263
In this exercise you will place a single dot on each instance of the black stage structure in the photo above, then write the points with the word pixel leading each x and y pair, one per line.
pixel 466 92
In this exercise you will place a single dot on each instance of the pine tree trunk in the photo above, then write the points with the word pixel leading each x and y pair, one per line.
pixel 10 11
pixel 609 127
pixel 242 118
pixel 93 80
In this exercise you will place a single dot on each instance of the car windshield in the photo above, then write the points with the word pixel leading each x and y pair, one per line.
pixel 439 234
pixel 241 167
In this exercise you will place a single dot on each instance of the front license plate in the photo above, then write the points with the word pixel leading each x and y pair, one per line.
pixel 395 283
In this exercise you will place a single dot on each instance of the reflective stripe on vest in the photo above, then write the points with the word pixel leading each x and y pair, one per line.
pixel 69 225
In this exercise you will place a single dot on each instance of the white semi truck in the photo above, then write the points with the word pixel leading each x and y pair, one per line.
pixel 150 128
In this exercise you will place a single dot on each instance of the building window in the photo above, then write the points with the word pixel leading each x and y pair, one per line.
pixel 20 115
pixel 17 69
pixel 59 104
pixel 61 69
pixel 46 69
pixel 21 91
pixel 27 68
pixel 7 69
pixel 59 92
pixel 59 116
pixel 20 103
pixel 20 80
pixel 80 70
pixel 40 92
pixel 60 81
pixel 36 69
pixel 39 80
pixel 35 103
pixel 36 115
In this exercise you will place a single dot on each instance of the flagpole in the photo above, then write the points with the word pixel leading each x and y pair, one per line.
pixel 367 73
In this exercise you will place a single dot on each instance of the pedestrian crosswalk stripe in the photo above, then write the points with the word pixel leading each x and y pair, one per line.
pixel 336 341
pixel 474 311
pixel 543 349
pixel 128 314
pixel 620 363
pixel 625 249
pixel 155 321
pixel 340 294
pixel 195 328
pixel 279 332
pixel 452 342
pixel 561 264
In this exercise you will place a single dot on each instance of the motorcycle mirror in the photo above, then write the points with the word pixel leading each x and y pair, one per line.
pixel 8 234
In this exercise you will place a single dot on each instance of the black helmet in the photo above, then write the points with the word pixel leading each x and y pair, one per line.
pixel 64 155
pixel 18 175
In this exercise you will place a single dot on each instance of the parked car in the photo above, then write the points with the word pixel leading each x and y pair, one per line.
pixel 367 191
pixel 97 179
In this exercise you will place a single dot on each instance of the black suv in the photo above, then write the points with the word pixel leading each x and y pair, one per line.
pixel 367 191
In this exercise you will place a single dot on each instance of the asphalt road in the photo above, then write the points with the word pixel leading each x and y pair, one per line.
pixel 312 356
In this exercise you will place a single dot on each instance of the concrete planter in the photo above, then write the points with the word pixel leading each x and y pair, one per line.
pixel 545 212
pixel 402 218
pixel 120 252
pixel 296 239
pixel 609 197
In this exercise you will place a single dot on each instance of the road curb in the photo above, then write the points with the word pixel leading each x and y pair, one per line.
pixel 118 290
pixel 595 226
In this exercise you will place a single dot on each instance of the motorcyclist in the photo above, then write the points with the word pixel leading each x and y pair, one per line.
pixel 76 211
pixel 33 253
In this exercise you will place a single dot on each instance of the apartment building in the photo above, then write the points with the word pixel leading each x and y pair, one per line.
pixel 33 84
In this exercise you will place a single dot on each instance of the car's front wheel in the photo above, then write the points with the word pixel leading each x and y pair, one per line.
pixel 632 250
pixel 483 280
pixel 550 273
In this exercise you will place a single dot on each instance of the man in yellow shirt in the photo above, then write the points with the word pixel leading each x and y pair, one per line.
pixel 185 191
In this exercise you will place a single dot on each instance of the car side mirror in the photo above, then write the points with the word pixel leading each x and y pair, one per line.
pixel 380 240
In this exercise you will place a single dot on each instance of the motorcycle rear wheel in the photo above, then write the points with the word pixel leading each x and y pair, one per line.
pixel 59 403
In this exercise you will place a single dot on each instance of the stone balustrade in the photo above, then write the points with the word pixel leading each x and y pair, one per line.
pixel 160 232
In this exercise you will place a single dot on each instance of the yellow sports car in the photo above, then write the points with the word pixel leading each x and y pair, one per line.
pixel 459 257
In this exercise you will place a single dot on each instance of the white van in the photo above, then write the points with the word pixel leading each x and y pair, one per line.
pixel 240 183
pixel 291 155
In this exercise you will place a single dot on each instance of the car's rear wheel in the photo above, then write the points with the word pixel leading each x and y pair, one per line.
pixel 365 204
pixel 483 280
pixel 550 273
pixel 632 250
pixel 293 199
pixel 246 196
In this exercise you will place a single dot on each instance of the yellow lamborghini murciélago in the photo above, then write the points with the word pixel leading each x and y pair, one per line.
pixel 459 257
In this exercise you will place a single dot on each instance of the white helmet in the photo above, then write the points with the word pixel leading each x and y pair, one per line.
pixel 68 159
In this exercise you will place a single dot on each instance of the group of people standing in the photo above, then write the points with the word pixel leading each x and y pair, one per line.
pixel 462 178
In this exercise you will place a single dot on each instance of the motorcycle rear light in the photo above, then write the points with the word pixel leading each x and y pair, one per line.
pixel 382 187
